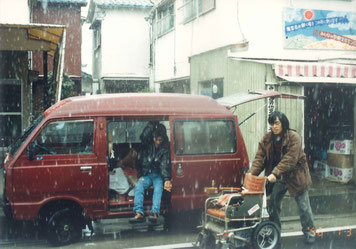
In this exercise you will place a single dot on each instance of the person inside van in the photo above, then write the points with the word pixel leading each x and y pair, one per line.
pixel 118 182
pixel 153 168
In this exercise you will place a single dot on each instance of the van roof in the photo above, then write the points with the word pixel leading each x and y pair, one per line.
pixel 136 104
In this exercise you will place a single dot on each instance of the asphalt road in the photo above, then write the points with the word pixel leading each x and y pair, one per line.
pixel 337 232
pixel 337 238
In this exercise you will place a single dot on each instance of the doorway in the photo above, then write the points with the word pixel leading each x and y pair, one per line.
pixel 329 114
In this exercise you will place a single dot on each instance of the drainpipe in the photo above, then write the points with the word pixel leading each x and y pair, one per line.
pixel 45 81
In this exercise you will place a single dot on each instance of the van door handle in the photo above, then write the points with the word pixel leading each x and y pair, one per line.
pixel 85 168
pixel 180 170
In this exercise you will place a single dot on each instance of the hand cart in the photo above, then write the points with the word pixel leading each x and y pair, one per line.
pixel 237 217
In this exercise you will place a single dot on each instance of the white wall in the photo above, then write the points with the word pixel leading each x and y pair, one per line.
pixel 125 43
pixel 261 24
pixel 214 29
pixel 87 44
pixel 14 11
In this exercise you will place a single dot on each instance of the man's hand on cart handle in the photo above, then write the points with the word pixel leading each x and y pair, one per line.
pixel 271 178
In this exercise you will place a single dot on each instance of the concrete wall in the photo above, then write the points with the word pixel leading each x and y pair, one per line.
pixel 242 76
pixel 214 29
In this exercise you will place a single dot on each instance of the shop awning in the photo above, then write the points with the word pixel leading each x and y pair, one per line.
pixel 310 71
pixel 316 72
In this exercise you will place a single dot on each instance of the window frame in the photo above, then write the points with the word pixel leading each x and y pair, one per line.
pixel 226 120
pixel 216 81
pixel 197 9
pixel 162 18
pixel 38 136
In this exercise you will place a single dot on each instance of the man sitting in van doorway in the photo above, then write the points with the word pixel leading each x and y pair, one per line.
pixel 153 168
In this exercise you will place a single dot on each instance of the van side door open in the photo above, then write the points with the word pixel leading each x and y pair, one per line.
pixel 203 154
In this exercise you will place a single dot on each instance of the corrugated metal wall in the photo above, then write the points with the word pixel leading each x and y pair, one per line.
pixel 242 76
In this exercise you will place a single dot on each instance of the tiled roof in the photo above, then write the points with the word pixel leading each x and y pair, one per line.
pixel 81 2
pixel 124 3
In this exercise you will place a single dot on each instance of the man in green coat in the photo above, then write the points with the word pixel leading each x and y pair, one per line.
pixel 281 155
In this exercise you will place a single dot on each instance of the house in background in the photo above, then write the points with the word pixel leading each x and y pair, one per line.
pixel 184 28
pixel 221 47
pixel 121 47
pixel 60 12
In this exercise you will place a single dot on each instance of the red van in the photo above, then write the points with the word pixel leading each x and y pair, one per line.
pixel 57 173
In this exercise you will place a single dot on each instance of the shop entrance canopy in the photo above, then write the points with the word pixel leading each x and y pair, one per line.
pixel 37 37
pixel 310 71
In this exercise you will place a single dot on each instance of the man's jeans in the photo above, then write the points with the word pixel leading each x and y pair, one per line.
pixel 143 183
pixel 305 212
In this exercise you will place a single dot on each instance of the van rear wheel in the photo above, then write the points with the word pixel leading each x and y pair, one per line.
pixel 63 228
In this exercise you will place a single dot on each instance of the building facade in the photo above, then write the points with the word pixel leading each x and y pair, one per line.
pixel 222 47
pixel 19 37
pixel 59 12
pixel 120 45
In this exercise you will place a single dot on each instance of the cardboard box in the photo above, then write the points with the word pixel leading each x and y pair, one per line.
pixel 321 169
pixel 340 174
pixel 340 160
pixel 341 147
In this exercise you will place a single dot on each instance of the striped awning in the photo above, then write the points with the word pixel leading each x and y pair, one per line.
pixel 343 70
pixel 316 72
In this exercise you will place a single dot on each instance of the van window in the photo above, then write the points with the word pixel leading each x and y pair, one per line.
pixel 125 134
pixel 66 137
pixel 195 137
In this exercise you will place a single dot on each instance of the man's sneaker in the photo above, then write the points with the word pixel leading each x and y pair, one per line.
pixel 309 238
pixel 153 217
pixel 137 219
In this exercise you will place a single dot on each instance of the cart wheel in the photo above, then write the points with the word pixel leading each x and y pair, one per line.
pixel 266 235
pixel 207 241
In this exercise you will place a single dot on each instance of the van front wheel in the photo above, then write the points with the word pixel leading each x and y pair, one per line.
pixel 63 228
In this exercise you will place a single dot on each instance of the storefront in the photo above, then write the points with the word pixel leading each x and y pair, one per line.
pixel 329 112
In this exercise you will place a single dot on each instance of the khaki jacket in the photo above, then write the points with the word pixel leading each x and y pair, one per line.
pixel 293 167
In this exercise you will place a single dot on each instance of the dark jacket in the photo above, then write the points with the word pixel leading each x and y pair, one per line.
pixel 293 166
pixel 148 160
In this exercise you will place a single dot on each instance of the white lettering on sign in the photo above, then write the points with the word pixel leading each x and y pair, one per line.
pixel 253 209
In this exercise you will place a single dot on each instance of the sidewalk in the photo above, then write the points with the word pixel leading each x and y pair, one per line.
pixel 326 198
pixel 322 222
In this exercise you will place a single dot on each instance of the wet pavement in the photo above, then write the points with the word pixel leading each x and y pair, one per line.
pixel 333 205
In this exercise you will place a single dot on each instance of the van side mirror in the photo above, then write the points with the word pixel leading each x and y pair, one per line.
pixel 31 151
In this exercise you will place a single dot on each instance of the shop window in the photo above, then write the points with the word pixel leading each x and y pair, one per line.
pixel 165 20
pixel 212 88
pixel 193 8
pixel 198 137
pixel 66 137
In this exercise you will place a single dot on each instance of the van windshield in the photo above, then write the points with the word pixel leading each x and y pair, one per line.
pixel 21 139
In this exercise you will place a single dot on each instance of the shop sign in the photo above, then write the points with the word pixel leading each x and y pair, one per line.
pixel 319 29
